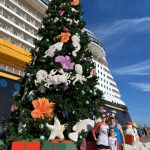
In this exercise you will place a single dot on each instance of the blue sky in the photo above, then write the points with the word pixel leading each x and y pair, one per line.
pixel 123 26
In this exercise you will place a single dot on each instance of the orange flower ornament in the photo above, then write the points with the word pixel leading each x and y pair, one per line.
pixel 64 37
pixel 42 108
pixel 75 2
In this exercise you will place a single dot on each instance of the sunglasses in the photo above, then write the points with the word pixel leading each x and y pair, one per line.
pixel 112 118
pixel 103 117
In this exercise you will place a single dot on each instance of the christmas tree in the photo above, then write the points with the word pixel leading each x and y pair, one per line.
pixel 60 81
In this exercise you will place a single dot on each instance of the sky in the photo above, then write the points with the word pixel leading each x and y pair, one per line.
pixel 123 26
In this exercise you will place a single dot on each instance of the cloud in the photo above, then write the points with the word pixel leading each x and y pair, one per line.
pixel 118 31
pixel 142 86
pixel 121 26
pixel 142 68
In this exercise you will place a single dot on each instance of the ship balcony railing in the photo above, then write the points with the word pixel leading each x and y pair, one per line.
pixel 116 104
pixel 19 15
pixel 99 59
pixel 19 5
pixel 19 26
pixel 17 36
pixel 95 40
pixel 12 70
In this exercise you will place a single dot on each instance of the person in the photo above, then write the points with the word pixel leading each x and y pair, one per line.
pixel 107 118
pixel 102 128
pixel 134 127
pixel 139 133
pixel 118 132
pixel 112 140
pixel 145 131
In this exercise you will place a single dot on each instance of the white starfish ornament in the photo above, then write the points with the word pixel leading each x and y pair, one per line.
pixel 56 130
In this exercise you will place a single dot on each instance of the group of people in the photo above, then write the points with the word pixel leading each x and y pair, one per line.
pixel 108 133
pixel 142 132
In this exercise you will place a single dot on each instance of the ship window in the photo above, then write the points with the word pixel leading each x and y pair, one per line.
pixel 27 29
pixel 15 33
pixel 16 22
pixel 25 38
pixel 6 16
pixel 8 6
pixel 28 20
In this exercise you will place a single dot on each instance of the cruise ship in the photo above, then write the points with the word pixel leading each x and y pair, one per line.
pixel 106 81
pixel 19 23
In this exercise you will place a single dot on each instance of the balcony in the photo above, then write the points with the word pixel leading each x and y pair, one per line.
pixel 14 34
pixel 27 11
pixel 17 25
pixel 12 70
pixel 99 59
pixel 96 50
pixel 38 5
pixel 18 14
